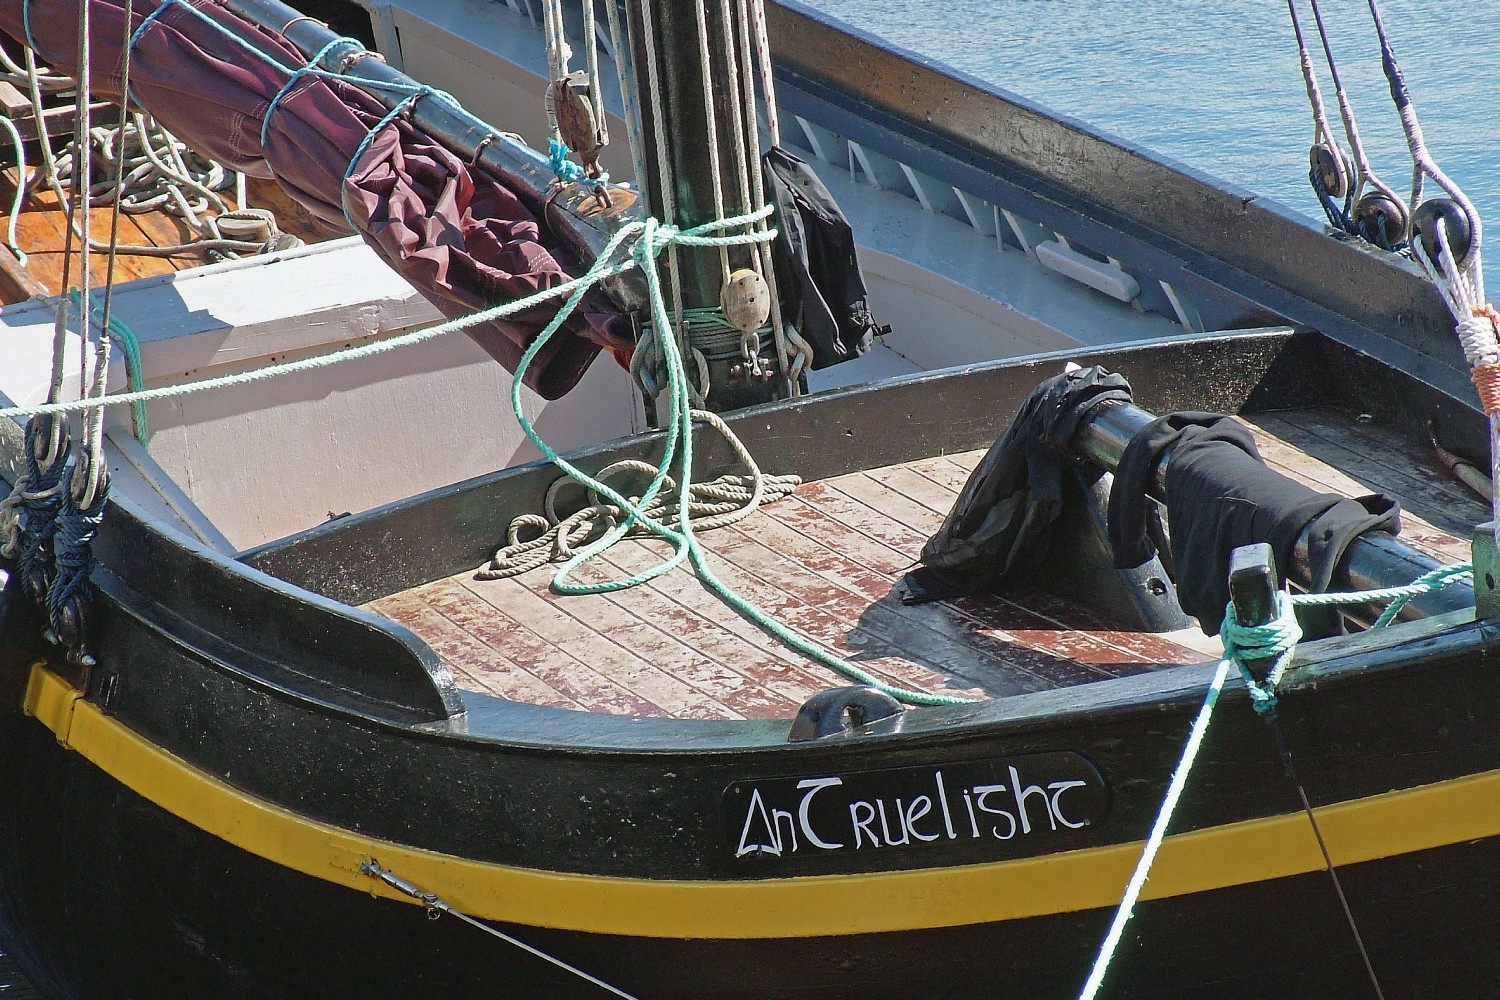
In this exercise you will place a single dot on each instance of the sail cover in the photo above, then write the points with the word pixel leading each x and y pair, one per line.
pixel 457 231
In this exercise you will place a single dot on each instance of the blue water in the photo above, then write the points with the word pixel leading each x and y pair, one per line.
pixel 1216 83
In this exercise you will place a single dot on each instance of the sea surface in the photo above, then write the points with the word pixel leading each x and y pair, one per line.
pixel 1216 84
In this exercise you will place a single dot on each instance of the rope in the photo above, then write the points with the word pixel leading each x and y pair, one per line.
pixel 371 349
pixel 705 331
pixel 28 517
pixel 650 238
pixel 159 173
pixel 130 346
pixel 435 906
pixel 1158 833
pixel 724 501
pixel 1477 324
pixel 22 183
pixel 410 91
pixel 793 353
pixel 666 178
pixel 623 72
pixel 1365 173
pixel 1423 164
pixel 1275 640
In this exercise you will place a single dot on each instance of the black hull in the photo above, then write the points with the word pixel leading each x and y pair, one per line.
pixel 107 895
pixel 245 744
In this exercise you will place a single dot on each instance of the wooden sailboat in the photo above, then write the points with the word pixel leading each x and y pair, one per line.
pixel 281 754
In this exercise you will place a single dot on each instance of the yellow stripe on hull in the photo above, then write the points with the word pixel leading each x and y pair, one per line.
pixel 1394 823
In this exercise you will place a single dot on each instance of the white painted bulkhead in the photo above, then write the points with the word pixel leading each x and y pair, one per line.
pixel 246 464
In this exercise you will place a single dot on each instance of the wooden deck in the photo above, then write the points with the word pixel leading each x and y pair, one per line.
pixel 825 561
pixel 42 227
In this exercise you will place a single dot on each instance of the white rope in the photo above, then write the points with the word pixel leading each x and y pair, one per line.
pixel 363 350
pixel 158 167
pixel 18 76
pixel 716 504
pixel 711 120
pixel 793 353
pixel 596 87
pixel 1365 174
pixel 623 72
pixel 767 84
pixel 1322 131
pixel 22 183
pixel 558 51
pixel 1423 165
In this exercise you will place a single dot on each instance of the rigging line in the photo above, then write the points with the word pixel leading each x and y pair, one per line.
pixel 557 60
pixel 1158 833
pixel 767 268
pixel 1331 177
pixel 740 152
pixel 1321 129
pixel 83 163
pixel 700 13
pixel 1422 161
pixel 667 181
pixel 596 88
pixel 22 183
pixel 625 73
pixel 94 433
pixel 1285 751
pixel 767 85
pixel 435 905
pixel 1365 173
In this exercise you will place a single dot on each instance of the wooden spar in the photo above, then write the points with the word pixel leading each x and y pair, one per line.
pixel 1374 560
pixel 684 145
pixel 463 134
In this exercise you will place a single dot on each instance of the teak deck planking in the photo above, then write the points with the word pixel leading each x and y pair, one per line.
pixel 825 562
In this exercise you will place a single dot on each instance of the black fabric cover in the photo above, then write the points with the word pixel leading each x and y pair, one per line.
pixel 1000 526
pixel 817 272
pixel 1221 495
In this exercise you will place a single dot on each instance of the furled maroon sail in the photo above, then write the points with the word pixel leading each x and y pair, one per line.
pixel 455 230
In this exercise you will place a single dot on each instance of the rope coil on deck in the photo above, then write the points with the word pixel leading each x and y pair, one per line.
pixel 715 504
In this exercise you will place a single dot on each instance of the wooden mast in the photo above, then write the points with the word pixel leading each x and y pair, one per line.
pixel 683 144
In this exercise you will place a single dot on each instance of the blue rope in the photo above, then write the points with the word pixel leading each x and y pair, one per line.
pixel 26 25
pixel 1276 639
pixel 363 148
pixel 313 66
pixel 411 91
pixel 41 499
pixel 135 38
pixel 72 560
pixel 569 172
pixel 1158 833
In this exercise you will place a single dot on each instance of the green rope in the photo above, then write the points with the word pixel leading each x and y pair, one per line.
pixel 130 346
pixel 651 238
pixel 320 360
pixel 1277 638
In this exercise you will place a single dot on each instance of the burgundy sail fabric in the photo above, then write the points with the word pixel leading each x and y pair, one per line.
pixel 455 230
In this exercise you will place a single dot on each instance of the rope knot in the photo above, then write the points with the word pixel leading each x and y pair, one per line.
pixel 1274 641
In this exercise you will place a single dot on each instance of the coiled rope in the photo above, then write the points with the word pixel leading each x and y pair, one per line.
pixel 638 513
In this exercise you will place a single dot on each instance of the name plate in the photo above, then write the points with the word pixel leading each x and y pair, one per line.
pixel 1013 806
